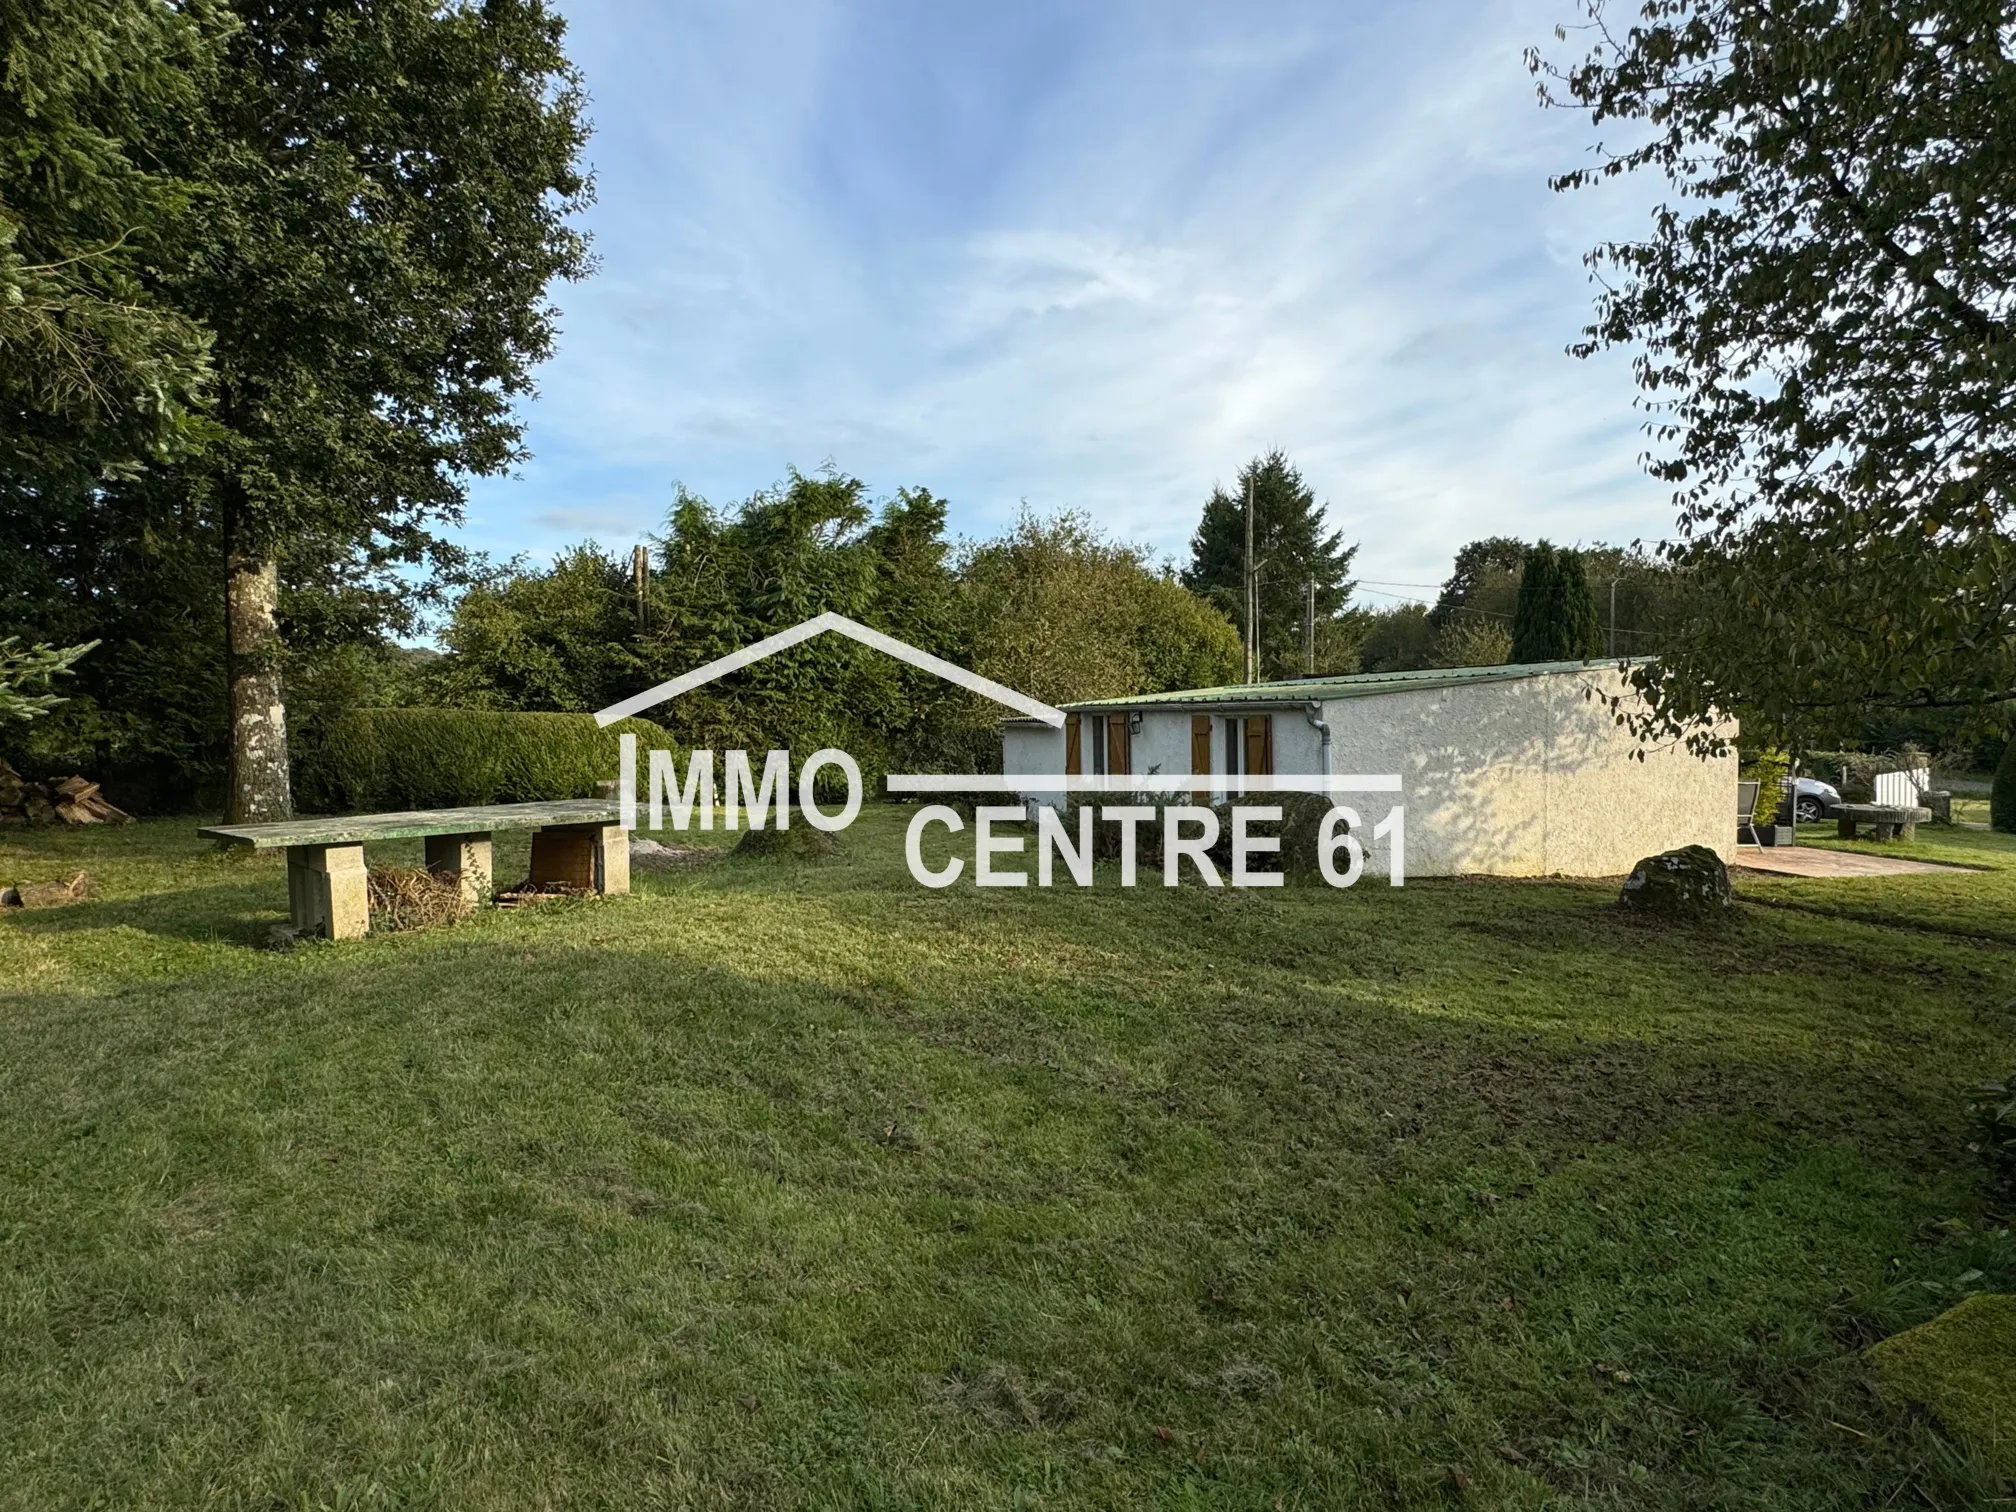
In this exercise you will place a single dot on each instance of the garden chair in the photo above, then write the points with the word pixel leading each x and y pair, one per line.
pixel 1746 806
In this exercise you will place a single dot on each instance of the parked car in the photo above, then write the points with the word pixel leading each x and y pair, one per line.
pixel 1816 799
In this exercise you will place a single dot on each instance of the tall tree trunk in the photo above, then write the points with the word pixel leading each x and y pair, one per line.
pixel 259 785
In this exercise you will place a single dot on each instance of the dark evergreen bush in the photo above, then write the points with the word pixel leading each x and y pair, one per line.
pixel 2002 797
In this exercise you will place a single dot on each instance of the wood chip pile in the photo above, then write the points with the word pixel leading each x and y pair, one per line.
pixel 60 800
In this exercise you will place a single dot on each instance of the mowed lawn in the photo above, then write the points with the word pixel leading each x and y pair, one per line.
pixel 790 1185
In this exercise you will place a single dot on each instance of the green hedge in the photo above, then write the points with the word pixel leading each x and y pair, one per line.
pixel 374 760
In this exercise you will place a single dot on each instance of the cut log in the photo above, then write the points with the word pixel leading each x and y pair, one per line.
pixel 73 788
pixel 76 813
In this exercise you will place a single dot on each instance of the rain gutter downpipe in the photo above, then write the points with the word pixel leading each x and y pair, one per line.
pixel 1313 712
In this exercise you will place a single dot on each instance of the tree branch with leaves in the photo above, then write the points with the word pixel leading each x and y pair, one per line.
pixel 1823 325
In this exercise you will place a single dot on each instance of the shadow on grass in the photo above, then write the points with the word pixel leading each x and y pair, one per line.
pixel 214 912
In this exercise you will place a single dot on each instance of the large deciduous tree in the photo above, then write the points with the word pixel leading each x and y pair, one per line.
pixel 1292 546
pixel 1823 318
pixel 384 192
pixel 1064 613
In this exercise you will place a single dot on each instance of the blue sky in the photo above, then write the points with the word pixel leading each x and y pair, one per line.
pixel 1086 256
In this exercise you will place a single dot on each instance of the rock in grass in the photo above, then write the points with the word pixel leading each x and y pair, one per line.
pixel 73 889
pixel 800 842
pixel 1962 1365
pixel 1688 883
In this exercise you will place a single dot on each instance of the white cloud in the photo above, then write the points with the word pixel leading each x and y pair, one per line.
pixel 1096 261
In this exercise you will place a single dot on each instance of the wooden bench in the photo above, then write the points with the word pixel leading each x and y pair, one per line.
pixel 575 844
pixel 1885 822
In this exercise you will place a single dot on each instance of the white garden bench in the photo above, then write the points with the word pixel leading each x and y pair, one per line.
pixel 576 844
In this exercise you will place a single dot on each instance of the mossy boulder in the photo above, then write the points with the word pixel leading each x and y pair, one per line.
pixel 1688 883
pixel 1961 1365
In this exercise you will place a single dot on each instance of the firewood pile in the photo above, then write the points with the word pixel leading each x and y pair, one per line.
pixel 60 800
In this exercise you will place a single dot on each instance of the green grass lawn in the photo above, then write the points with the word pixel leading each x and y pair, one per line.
pixel 1979 900
pixel 792 1186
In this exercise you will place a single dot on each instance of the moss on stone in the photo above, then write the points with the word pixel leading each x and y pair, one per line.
pixel 1962 1365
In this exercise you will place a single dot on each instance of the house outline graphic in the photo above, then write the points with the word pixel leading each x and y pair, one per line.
pixel 819 624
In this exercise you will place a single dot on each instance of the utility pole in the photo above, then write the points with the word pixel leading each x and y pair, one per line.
pixel 1252 594
pixel 640 576
pixel 1309 633
pixel 1613 617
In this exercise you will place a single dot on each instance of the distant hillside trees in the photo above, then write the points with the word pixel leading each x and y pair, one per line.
pixel 1472 620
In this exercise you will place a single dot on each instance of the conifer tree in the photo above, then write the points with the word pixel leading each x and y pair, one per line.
pixel 1555 619
pixel 1533 618
pixel 1292 545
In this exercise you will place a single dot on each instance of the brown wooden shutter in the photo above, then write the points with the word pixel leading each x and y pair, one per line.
pixel 1118 754
pixel 1200 753
pixel 1073 762
pixel 1260 746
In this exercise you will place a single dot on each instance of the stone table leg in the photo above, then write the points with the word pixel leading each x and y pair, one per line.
pixel 467 858
pixel 1844 827
pixel 590 857
pixel 327 891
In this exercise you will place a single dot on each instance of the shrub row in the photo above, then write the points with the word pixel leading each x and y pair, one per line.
pixel 379 759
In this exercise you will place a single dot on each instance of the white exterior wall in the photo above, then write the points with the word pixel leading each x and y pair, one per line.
pixel 1531 778
pixel 1034 748
pixel 1162 744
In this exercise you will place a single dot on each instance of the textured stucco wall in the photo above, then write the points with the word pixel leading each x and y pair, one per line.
pixel 1162 744
pixel 1532 778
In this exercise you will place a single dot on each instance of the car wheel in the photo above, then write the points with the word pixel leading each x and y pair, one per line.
pixel 1811 811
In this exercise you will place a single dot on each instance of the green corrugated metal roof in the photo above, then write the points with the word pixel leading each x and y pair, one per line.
pixel 1363 685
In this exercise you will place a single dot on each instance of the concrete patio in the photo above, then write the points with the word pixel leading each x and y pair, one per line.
pixel 1811 861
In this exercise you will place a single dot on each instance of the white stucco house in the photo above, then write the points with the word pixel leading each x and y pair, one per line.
pixel 1511 771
